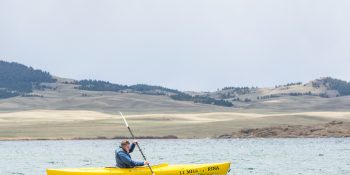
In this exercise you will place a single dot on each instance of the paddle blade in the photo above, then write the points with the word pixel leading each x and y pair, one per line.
pixel 126 123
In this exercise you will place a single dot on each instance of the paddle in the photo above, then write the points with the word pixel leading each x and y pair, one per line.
pixel 137 144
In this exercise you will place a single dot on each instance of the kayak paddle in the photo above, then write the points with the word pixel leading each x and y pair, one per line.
pixel 137 144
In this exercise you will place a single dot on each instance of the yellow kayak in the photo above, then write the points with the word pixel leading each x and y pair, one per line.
pixel 163 169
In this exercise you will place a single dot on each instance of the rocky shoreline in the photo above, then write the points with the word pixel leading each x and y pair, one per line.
pixel 332 129
pixel 92 138
pixel 122 137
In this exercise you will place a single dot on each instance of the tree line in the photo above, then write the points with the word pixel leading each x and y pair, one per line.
pixel 343 87
pixel 18 79
pixel 97 85
pixel 201 99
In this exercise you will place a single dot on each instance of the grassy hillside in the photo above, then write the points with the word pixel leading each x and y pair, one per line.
pixel 63 96
pixel 32 89
pixel 66 96
pixel 20 80
pixel 70 124
pixel 323 87
pixel 42 106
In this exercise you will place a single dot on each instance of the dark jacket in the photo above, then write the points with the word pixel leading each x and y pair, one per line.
pixel 124 160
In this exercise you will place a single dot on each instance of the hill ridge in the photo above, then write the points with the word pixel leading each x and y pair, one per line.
pixel 18 80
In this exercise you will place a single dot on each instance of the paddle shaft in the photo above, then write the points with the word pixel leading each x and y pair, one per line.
pixel 137 144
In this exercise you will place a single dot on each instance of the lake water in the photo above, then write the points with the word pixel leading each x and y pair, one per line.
pixel 248 156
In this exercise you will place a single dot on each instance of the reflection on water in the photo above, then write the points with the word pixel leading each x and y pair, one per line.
pixel 248 156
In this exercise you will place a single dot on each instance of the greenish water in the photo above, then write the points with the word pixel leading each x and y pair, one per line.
pixel 248 156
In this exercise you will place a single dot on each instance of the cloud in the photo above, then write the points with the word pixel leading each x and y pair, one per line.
pixel 189 45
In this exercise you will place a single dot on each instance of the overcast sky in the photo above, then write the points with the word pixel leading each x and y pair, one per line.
pixel 183 44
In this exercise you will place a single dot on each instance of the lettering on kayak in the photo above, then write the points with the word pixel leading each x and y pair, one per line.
pixel 195 171
pixel 191 171
pixel 213 168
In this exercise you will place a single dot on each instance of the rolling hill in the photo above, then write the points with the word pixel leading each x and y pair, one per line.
pixel 36 105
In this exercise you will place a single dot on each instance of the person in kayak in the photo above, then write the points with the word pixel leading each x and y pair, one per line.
pixel 123 158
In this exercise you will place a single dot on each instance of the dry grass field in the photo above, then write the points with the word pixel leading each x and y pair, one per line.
pixel 72 124
pixel 65 112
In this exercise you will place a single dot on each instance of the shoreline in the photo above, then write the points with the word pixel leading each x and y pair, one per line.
pixel 89 125
pixel 213 138
pixel 333 129
pixel 170 137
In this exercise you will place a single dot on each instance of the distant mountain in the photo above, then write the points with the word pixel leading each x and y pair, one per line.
pixel 20 80
pixel 342 87
pixel 17 79
pixel 96 85
pixel 326 87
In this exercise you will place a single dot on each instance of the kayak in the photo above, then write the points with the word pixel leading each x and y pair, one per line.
pixel 162 169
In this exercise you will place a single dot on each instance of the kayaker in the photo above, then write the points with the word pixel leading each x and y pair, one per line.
pixel 123 158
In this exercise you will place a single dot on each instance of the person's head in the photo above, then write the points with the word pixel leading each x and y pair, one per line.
pixel 125 145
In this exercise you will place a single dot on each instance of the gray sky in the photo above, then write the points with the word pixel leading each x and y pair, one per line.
pixel 183 44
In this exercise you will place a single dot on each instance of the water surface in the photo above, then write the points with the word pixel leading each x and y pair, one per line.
pixel 248 156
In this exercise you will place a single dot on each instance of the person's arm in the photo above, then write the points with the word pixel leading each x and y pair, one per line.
pixel 132 147
pixel 127 160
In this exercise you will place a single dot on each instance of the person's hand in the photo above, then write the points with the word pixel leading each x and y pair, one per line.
pixel 146 162
pixel 135 141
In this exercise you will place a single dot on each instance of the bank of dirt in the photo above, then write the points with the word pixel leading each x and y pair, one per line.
pixel 331 129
